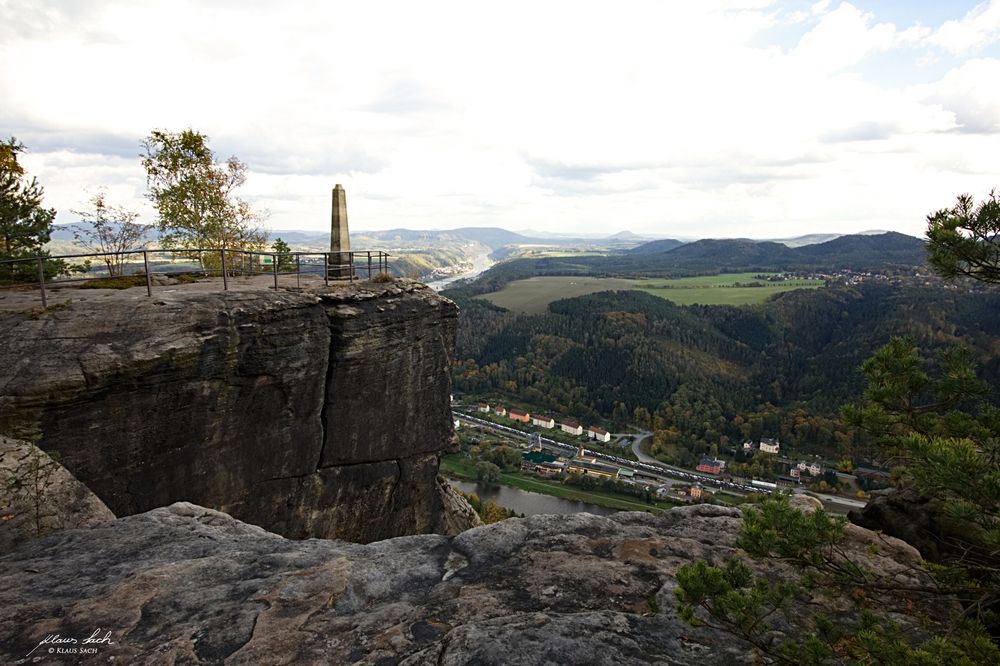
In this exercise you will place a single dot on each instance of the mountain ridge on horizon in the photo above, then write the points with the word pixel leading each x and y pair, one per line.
pixel 496 237
pixel 851 252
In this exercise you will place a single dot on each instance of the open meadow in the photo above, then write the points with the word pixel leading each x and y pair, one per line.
pixel 533 295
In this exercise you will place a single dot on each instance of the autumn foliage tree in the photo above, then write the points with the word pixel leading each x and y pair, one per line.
pixel 195 194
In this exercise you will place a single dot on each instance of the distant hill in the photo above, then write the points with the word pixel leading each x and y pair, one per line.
pixel 296 237
pixel 64 232
pixel 652 247
pixel 868 250
pixel 812 239
pixel 626 235
pixel 491 237
pixel 859 252
pixel 496 238
pixel 736 251
pixel 807 239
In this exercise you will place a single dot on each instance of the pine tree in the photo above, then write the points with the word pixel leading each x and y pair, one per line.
pixel 965 239
pixel 25 225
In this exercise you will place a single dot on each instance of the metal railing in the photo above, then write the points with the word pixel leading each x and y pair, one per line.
pixel 207 262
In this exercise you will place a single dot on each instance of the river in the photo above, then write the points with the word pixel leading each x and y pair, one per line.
pixel 479 264
pixel 526 502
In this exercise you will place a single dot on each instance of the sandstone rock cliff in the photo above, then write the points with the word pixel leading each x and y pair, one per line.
pixel 315 413
pixel 188 585
pixel 38 496
pixel 907 515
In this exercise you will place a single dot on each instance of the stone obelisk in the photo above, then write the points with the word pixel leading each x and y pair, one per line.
pixel 340 237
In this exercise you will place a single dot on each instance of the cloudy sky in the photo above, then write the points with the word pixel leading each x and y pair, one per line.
pixel 690 119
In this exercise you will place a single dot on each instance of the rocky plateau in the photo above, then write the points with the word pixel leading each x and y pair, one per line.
pixel 188 585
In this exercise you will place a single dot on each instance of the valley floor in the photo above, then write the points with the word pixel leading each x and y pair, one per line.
pixel 460 467
pixel 533 295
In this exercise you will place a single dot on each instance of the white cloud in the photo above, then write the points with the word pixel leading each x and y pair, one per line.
pixel 978 28
pixel 663 117
pixel 968 94
pixel 843 38
pixel 819 7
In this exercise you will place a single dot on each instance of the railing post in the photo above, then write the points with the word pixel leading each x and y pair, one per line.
pixel 225 279
pixel 246 261
pixel 41 281
pixel 149 278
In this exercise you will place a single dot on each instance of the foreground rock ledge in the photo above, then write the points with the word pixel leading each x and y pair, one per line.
pixel 189 585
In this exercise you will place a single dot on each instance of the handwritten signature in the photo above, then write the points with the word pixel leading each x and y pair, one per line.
pixel 56 640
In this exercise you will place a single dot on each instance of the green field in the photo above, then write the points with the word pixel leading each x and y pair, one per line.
pixel 533 295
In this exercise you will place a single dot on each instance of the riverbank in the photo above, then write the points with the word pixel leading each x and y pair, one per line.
pixel 526 503
pixel 462 468
pixel 479 264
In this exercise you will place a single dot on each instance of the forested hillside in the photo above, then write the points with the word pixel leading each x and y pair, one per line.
pixel 713 374
pixel 660 245
pixel 881 252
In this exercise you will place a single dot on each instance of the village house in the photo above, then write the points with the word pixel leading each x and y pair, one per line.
pixel 550 469
pixel 541 463
pixel 572 427
pixel 543 421
pixel 769 445
pixel 697 492
pixel 483 407
pixel 600 434
pixel 814 468
pixel 518 415
pixel 593 469
pixel 711 465
pixel 500 411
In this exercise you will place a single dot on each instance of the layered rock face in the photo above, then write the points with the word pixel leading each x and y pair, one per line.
pixel 921 521
pixel 38 495
pixel 186 585
pixel 318 413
